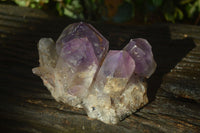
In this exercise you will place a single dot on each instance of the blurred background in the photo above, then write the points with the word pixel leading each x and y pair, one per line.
pixel 120 11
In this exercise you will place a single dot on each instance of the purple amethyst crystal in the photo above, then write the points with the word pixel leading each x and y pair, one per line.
pixel 78 64
pixel 117 68
pixel 84 30
pixel 77 71
pixel 140 51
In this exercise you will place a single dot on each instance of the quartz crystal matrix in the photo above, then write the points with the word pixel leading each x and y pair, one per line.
pixel 80 71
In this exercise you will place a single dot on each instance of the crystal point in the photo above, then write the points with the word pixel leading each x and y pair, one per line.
pixel 140 50
pixel 82 30
pixel 78 64
pixel 115 71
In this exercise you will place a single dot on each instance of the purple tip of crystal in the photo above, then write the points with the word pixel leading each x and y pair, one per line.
pixel 118 64
pixel 84 30
pixel 140 51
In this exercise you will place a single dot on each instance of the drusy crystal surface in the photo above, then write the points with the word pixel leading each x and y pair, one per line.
pixel 78 70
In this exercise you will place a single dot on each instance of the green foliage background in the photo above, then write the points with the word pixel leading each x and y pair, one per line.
pixel 121 10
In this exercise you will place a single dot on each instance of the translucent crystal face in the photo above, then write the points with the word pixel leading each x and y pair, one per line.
pixel 78 64
pixel 80 48
pixel 115 71
pixel 77 71
pixel 140 51
pixel 84 30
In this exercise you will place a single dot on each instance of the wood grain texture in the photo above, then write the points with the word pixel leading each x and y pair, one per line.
pixel 27 106
pixel 184 79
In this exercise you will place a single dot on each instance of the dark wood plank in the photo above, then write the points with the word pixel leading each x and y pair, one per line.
pixel 184 79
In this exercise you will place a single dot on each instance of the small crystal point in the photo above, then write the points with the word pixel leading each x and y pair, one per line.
pixel 117 68
pixel 140 51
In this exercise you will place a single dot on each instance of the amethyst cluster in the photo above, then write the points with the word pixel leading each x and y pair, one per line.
pixel 79 70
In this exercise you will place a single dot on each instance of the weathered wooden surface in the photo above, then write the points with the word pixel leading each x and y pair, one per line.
pixel 184 79
pixel 27 106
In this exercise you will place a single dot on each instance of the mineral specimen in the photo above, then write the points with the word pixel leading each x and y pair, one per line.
pixel 78 71
pixel 140 50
